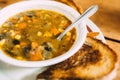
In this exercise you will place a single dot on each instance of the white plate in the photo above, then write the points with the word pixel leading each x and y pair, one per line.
pixel 9 72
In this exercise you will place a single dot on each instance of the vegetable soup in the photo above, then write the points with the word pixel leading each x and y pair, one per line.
pixel 31 35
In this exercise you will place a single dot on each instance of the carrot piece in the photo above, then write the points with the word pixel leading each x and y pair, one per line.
pixel 93 34
pixel 66 25
pixel 22 25
pixel 55 31
pixel 68 38
pixel 23 43
pixel 34 45
pixel 35 56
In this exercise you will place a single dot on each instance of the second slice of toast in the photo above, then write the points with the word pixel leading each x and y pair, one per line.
pixel 93 61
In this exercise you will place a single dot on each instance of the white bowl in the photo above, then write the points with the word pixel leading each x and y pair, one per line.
pixel 69 12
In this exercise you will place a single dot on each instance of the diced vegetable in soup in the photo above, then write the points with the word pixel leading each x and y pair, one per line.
pixel 31 35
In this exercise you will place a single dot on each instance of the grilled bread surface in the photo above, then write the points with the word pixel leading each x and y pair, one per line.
pixel 94 60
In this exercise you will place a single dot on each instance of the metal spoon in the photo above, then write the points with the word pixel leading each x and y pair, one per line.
pixel 89 12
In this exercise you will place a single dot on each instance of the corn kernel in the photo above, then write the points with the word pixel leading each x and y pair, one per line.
pixel 17 46
pixel 63 21
pixel 5 30
pixel 18 37
pixel 19 58
pixel 47 34
pixel 68 34
pixel 61 30
pixel 12 33
pixel 39 34
pixel 29 21
pixel 49 23
pixel 16 25
pixel 2 42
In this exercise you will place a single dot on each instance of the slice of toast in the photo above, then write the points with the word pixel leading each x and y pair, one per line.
pixel 92 62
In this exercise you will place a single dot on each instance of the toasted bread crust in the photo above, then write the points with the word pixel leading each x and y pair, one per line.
pixel 94 60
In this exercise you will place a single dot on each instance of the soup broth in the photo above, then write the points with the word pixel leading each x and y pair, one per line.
pixel 31 35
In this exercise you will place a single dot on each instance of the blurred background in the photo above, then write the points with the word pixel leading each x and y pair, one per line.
pixel 107 19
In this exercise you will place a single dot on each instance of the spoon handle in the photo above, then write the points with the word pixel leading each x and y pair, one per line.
pixel 89 12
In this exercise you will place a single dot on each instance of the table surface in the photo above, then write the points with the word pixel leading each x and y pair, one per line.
pixel 107 19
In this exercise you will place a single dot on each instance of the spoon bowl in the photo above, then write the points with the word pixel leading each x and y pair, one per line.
pixel 89 12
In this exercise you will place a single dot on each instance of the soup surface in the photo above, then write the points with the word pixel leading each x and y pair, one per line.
pixel 31 35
